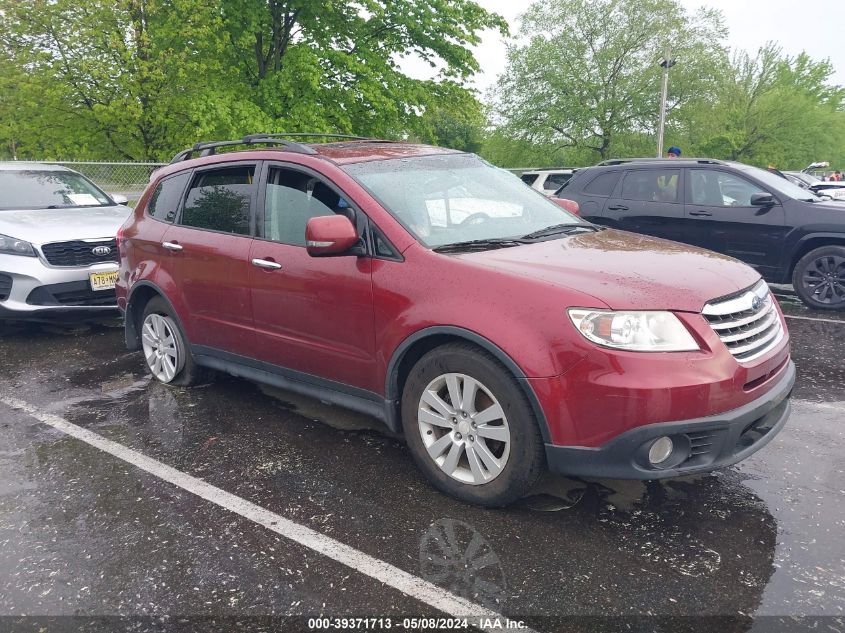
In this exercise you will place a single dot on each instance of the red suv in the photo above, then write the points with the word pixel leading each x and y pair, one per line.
pixel 500 334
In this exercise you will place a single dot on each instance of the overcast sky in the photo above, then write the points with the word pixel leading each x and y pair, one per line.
pixel 815 26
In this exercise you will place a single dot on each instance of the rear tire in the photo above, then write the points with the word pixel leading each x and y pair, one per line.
pixel 819 278
pixel 470 427
pixel 166 351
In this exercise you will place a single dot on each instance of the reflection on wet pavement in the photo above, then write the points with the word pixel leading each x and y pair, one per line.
pixel 82 532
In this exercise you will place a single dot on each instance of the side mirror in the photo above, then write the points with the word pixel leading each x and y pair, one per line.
pixel 762 199
pixel 119 198
pixel 330 235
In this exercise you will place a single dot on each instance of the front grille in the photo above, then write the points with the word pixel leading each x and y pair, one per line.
pixel 79 253
pixel 748 324
pixel 73 293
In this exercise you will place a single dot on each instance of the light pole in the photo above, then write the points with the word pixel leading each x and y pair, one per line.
pixel 666 62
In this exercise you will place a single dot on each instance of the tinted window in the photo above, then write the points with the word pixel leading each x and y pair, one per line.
pixel 653 185
pixel 603 184
pixel 720 189
pixel 292 199
pixel 39 189
pixel 164 203
pixel 556 181
pixel 528 179
pixel 219 200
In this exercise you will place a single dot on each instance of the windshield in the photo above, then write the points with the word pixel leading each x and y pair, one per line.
pixel 33 189
pixel 452 198
pixel 781 185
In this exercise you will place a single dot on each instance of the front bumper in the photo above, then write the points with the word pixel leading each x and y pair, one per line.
pixel 701 444
pixel 43 293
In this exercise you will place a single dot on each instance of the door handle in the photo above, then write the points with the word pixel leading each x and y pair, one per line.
pixel 266 264
pixel 617 207
pixel 172 246
pixel 702 214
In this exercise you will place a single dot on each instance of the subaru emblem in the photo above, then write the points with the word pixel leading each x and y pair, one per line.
pixel 101 251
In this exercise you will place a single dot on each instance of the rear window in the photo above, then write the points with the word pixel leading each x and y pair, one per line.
pixel 164 203
pixel 43 189
pixel 220 200
pixel 556 181
pixel 603 184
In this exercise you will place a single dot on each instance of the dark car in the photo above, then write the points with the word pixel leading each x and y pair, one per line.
pixel 426 287
pixel 787 233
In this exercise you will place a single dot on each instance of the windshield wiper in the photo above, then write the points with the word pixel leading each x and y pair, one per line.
pixel 559 228
pixel 497 242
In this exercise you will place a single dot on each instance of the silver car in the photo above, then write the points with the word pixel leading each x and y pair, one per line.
pixel 58 254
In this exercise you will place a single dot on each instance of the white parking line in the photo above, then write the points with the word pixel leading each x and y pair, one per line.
pixel 410 585
pixel 800 318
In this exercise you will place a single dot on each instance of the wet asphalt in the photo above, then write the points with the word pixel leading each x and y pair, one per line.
pixel 756 547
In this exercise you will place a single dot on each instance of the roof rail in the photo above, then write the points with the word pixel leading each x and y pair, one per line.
pixel 209 148
pixel 622 161
pixel 309 135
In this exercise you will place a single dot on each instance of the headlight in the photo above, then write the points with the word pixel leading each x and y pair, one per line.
pixel 13 246
pixel 634 331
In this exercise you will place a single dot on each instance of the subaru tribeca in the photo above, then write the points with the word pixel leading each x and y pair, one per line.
pixel 58 255
pixel 498 333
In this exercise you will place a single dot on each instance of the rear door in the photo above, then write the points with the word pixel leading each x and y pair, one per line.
pixel 313 315
pixel 719 216
pixel 208 256
pixel 648 201
pixel 591 191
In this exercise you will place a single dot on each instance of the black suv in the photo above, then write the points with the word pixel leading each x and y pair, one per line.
pixel 788 234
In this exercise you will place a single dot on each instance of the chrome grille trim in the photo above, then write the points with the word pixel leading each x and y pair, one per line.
pixel 748 325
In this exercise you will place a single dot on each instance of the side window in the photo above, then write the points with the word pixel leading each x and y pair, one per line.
pixel 556 181
pixel 603 184
pixel 652 185
pixel 219 200
pixel 528 179
pixel 164 203
pixel 720 189
pixel 292 199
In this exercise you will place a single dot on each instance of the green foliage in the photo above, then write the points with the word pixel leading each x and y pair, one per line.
pixel 769 109
pixel 140 79
pixel 586 72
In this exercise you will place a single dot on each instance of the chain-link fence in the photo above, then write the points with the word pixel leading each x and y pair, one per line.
pixel 128 179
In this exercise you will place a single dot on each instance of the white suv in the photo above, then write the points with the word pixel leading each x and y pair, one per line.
pixel 58 255
pixel 547 181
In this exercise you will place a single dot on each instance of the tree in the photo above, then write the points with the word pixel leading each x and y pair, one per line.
pixel 586 72
pixel 140 79
pixel 769 109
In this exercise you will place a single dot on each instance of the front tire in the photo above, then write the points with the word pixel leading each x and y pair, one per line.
pixel 819 278
pixel 470 427
pixel 165 348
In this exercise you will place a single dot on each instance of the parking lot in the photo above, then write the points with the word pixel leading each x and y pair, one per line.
pixel 312 510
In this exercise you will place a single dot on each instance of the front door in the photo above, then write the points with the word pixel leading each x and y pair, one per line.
pixel 719 216
pixel 313 315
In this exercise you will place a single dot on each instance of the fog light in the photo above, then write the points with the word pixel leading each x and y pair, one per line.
pixel 660 450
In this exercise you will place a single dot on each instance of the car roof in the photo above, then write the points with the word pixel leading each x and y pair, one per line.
pixel 22 166
pixel 557 170
pixel 663 162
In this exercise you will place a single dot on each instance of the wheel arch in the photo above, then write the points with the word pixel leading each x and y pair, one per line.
pixel 415 346
pixel 141 294
pixel 809 243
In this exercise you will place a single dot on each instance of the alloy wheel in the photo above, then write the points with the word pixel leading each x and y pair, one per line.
pixel 464 428
pixel 161 350
pixel 824 279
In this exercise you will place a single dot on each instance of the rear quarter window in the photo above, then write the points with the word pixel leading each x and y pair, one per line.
pixel 164 203
pixel 603 184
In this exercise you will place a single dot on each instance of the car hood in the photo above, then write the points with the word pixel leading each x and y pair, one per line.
pixel 41 226
pixel 625 270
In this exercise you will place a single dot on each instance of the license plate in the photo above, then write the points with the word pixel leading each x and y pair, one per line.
pixel 103 281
